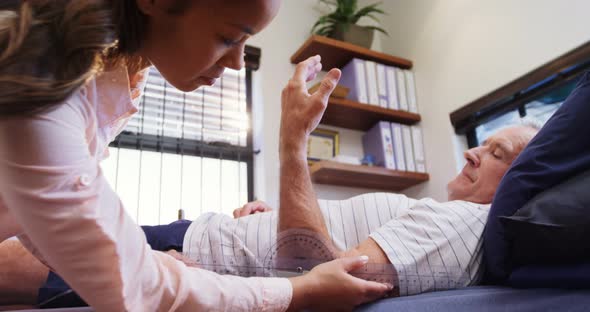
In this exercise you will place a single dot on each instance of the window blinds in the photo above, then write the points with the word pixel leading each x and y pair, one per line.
pixel 216 114
pixel 187 152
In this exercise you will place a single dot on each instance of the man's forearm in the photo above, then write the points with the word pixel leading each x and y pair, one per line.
pixel 299 206
pixel 21 274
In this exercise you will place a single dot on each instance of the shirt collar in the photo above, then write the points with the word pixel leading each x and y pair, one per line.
pixel 117 97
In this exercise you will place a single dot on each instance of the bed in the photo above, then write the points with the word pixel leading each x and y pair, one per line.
pixel 475 298
pixel 487 298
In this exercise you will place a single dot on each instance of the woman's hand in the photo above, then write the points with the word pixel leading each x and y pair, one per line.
pixel 301 111
pixel 329 287
pixel 252 208
pixel 180 257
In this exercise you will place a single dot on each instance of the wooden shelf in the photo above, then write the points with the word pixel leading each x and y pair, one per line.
pixel 336 53
pixel 330 172
pixel 354 115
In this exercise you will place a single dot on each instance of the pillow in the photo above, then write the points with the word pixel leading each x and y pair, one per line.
pixel 559 151
pixel 553 227
pixel 168 236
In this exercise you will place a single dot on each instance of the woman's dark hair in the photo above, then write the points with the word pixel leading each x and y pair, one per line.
pixel 50 48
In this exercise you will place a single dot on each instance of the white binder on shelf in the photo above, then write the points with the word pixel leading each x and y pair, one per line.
pixel 418 143
pixel 372 88
pixel 354 78
pixel 401 89
pixel 398 146
pixel 408 149
pixel 392 93
pixel 377 143
pixel 411 91
pixel 382 86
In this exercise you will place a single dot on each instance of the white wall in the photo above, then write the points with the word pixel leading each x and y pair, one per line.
pixel 278 42
pixel 463 49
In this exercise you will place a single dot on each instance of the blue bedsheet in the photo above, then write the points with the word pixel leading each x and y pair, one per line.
pixel 488 298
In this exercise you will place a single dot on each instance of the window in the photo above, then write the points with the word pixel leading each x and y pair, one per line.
pixel 538 94
pixel 184 154
pixel 488 128
pixel 540 109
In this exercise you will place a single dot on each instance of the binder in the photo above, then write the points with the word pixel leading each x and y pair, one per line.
pixel 408 149
pixel 372 88
pixel 353 77
pixel 398 146
pixel 382 86
pixel 411 91
pixel 401 89
pixel 377 142
pixel 391 80
pixel 418 143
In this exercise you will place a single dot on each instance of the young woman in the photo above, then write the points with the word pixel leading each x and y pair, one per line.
pixel 70 75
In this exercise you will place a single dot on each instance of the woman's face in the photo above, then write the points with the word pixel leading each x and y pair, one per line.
pixel 193 47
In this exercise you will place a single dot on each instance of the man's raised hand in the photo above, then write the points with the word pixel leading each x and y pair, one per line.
pixel 301 111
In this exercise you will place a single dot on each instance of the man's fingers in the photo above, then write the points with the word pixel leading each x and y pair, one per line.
pixel 306 69
pixel 258 209
pixel 328 85
pixel 244 211
pixel 314 72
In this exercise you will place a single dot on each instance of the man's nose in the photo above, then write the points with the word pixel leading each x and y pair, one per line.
pixel 472 156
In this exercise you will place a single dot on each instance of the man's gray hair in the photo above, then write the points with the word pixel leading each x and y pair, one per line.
pixel 531 122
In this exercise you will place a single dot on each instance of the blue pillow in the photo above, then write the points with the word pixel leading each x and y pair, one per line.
pixel 559 151
pixel 168 236
pixel 553 227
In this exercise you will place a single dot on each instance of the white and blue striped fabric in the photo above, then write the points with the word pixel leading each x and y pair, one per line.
pixel 433 246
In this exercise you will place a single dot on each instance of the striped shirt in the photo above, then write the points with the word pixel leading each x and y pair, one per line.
pixel 433 246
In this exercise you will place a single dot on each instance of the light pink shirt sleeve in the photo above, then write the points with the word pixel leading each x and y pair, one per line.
pixel 53 186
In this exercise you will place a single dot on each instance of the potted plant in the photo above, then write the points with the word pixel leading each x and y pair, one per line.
pixel 341 23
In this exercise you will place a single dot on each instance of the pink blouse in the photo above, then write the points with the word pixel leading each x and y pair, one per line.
pixel 54 195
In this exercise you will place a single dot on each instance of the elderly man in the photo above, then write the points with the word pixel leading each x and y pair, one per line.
pixel 429 244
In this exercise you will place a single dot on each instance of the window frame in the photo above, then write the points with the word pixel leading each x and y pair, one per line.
pixel 191 147
pixel 519 92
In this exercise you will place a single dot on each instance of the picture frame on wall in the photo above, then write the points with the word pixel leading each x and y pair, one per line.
pixel 323 144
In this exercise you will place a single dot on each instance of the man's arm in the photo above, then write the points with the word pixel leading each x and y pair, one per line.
pixel 299 207
pixel 301 113
pixel 21 274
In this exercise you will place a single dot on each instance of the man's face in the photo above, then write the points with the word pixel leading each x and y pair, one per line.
pixel 486 165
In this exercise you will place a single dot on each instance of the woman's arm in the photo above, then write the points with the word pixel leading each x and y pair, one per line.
pixel 54 188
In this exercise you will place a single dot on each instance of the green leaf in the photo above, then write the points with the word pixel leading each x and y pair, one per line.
pixel 345 13
pixel 379 29
pixel 321 21
pixel 325 31
pixel 367 11
pixel 373 17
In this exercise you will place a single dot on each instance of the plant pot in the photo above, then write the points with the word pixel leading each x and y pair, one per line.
pixel 354 34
